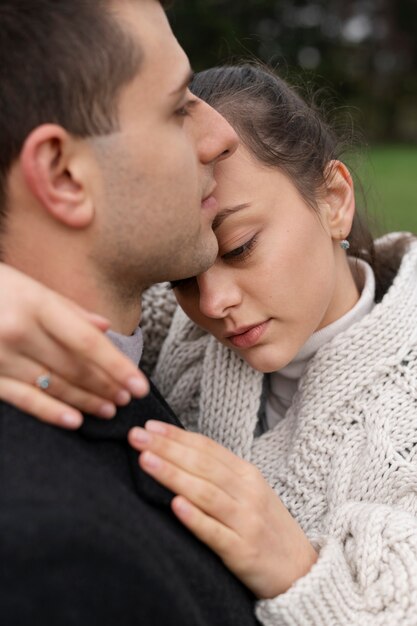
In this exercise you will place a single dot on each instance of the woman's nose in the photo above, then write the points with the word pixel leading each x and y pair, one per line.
pixel 218 293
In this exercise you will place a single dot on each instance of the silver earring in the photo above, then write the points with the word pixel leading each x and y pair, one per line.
pixel 344 244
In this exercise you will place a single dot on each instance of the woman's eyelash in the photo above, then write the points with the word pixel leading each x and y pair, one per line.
pixel 238 254
pixel 241 252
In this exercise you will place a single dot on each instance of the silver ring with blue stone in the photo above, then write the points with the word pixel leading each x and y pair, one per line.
pixel 43 381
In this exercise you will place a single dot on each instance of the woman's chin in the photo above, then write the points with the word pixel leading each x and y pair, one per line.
pixel 267 359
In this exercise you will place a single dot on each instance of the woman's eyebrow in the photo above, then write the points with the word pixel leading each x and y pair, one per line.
pixel 224 213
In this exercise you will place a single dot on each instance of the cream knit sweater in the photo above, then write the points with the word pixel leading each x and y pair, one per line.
pixel 343 459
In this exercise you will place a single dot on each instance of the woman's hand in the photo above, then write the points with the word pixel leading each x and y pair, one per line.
pixel 228 505
pixel 41 333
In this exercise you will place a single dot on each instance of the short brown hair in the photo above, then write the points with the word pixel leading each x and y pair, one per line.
pixel 63 62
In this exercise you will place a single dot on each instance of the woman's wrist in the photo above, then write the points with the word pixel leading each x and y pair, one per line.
pixel 301 558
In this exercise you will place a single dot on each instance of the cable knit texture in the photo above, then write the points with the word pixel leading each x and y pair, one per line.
pixel 343 459
pixel 158 307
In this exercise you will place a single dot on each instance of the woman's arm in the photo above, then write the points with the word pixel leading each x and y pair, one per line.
pixel 366 573
pixel 43 333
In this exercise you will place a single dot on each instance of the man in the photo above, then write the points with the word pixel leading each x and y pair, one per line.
pixel 106 176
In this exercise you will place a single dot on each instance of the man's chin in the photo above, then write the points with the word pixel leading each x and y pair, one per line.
pixel 196 262
pixel 205 260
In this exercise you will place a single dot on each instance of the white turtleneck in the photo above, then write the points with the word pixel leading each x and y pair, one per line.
pixel 283 384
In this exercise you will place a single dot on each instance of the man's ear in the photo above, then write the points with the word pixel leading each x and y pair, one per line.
pixel 51 165
pixel 339 200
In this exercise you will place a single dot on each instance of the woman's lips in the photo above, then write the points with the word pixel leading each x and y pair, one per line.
pixel 249 337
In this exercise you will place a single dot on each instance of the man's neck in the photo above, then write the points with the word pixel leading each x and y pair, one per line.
pixel 71 275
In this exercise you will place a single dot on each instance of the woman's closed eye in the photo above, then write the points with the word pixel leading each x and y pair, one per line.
pixel 242 252
pixel 237 255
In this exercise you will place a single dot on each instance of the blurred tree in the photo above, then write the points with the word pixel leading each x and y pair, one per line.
pixel 366 50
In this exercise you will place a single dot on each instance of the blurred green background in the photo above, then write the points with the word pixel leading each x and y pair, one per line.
pixel 391 183
pixel 363 51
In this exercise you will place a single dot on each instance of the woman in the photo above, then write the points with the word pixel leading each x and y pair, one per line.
pixel 308 374
pixel 332 427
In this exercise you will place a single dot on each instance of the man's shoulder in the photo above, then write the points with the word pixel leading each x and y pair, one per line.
pixel 53 469
pixel 61 487
pixel 91 472
pixel 20 432
pixel 78 528
pixel 25 440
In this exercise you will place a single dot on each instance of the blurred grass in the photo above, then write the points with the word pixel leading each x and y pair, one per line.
pixel 390 183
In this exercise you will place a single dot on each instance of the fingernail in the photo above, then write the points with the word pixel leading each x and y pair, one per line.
pixel 138 386
pixel 151 460
pixel 72 420
pixel 156 427
pixel 107 410
pixel 123 397
pixel 181 506
pixel 140 435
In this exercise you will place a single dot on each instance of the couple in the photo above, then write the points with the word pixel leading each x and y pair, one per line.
pixel 307 372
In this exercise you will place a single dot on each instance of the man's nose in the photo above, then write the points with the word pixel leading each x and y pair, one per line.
pixel 217 140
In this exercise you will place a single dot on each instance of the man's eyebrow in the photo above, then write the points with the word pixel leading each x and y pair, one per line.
pixel 185 83
pixel 222 215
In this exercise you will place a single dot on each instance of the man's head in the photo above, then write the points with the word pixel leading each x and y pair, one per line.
pixel 105 153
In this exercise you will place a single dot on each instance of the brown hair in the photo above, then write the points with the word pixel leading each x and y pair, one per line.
pixel 63 62
pixel 282 130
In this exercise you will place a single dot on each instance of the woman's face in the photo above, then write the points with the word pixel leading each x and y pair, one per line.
pixel 276 277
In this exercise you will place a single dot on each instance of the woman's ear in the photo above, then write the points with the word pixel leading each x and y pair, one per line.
pixel 51 165
pixel 339 200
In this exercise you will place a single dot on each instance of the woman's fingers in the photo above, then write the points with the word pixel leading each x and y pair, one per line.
pixel 194 461
pixel 102 323
pixel 41 331
pixel 221 539
pixel 28 397
pixel 86 347
pixel 52 357
pixel 229 506
pixel 29 372
pixel 78 398
pixel 204 494
pixel 35 402
pixel 199 443
pixel 204 480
